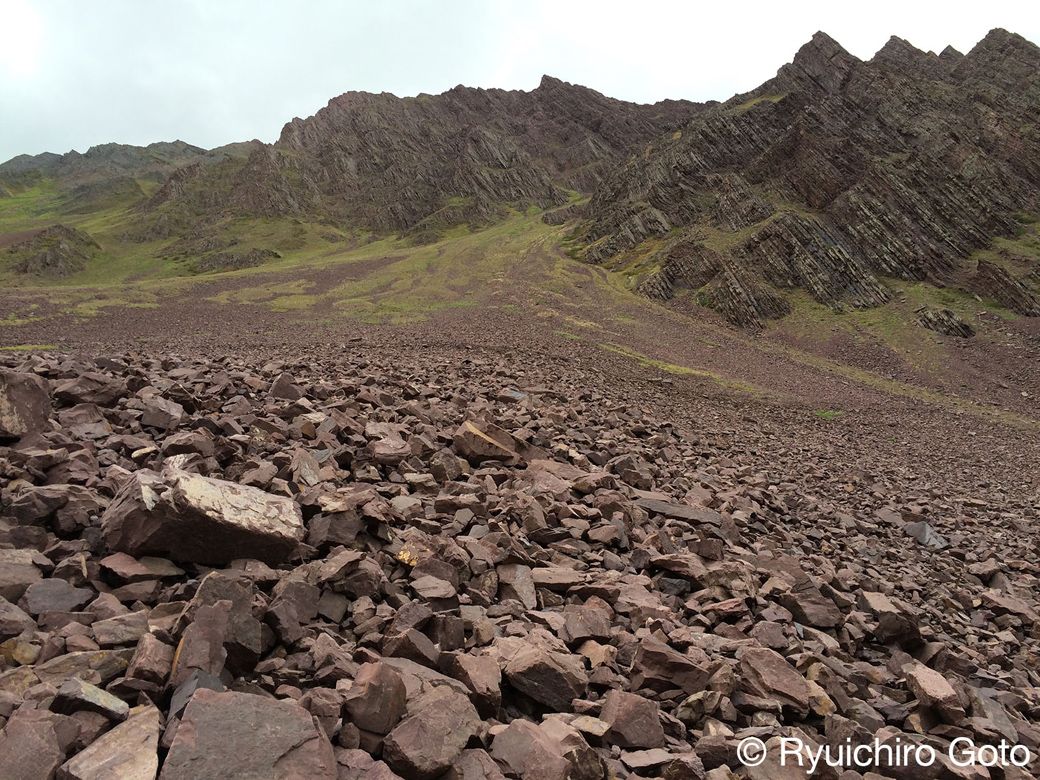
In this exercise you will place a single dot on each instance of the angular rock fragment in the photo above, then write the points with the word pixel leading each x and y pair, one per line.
pixel 660 667
pixel 482 441
pixel 427 742
pixel 546 678
pixel 201 648
pixel 811 607
pixel 54 595
pixel 530 753
pixel 634 722
pixel 482 675
pixel 772 676
pixel 934 690
pixel 377 699
pixel 198 519
pixel 925 535
pixel 75 695
pixel 33 744
pixel 162 413
pixel 18 570
pixel 90 388
pixel 152 660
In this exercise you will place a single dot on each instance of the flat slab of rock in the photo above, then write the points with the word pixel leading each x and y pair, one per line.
pixel 76 695
pixel 691 514
pixel 129 751
pixel 25 404
pixel 188 517
pixel 55 595
pixel 224 735
pixel 932 689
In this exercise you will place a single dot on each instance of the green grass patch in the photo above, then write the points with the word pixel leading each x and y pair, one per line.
pixel 28 348
pixel 679 370
pixel 749 104
pixel 828 414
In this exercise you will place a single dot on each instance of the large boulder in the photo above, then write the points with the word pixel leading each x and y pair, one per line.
pixel 25 404
pixel 230 734
pixel 188 517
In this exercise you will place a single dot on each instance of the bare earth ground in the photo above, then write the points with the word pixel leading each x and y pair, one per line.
pixel 860 408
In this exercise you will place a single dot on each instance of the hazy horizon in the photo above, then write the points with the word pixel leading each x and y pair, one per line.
pixel 76 75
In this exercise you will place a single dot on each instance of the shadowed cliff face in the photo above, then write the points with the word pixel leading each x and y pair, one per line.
pixel 832 176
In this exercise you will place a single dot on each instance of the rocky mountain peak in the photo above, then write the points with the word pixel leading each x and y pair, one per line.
pixel 551 82
pixel 821 63
pixel 855 145
pixel 900 55
pixel 999 39
pixel 1002 60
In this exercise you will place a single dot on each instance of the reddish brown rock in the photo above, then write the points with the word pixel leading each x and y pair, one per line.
pixel 230 734
pixel 377 699
pixel 530 753
pixel 427 742
pixel 934 690
pixel 634 722
pixel 91 387
pixel 54 595
pixel 771 675
pixel 152 660
pixel 33 744
pixel 159 412
pixel 546 678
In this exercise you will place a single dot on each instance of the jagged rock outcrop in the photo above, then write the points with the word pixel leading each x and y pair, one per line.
pixel 838 173
pixel 58 250
pixel 994 281
pixel 944 321
pixel 232 261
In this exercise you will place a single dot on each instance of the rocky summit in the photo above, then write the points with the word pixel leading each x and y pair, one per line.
pixel 535 435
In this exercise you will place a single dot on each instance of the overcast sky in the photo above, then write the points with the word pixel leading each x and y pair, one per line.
pixel 75 73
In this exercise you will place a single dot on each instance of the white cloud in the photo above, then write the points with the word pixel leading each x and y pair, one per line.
pixel 21 39
pixel 77 73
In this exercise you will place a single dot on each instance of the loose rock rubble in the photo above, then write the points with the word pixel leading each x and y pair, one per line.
pixel 355 569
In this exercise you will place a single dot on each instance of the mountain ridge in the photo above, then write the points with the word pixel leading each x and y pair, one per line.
pixel 835 176
pixel 845 172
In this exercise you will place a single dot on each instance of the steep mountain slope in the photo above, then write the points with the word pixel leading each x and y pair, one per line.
pixel 106 175
pixel 389 164
pixel 837 175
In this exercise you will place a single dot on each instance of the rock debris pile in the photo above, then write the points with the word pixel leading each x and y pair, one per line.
pixel 360 569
